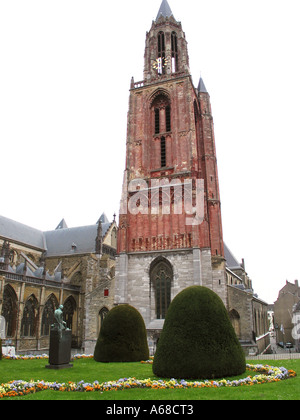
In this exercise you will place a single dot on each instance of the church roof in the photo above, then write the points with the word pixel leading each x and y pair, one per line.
pixel 165 10
pixel 231 261
pixel 18 232
pixel 201 86
pixel 78 240
pixel 61 241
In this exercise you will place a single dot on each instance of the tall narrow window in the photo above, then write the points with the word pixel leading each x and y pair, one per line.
pixel 156 120
pixel 102 314
pixel 174 52
pixel 68 312
pixel 9 310
pixel 161 56
pixel 168 118
pixel 48 315
pixel 28 324
pixel 163 152
pixel 161 280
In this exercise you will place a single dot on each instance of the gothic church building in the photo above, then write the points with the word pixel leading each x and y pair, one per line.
pixel 169 235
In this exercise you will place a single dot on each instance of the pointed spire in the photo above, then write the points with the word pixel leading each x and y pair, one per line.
pixel 62 225
pixel 165 10
pixel 201 86
pixel 103 218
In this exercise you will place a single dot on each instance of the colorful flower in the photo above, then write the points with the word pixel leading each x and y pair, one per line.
pixel 265 374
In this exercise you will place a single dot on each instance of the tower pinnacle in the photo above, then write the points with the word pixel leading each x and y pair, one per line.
pixel 165 10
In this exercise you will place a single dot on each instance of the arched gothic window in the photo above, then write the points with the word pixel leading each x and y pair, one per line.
pixel 9 310
pixel 68 311
pixel 161 276
pixel 161 111
pixel 174 52
pixel 29 319
pixel 48 315
pixel 161 114
pixel 161 53
pixel 102 314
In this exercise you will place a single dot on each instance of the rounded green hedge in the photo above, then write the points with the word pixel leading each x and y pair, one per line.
pixel 123 337
pixel 198 340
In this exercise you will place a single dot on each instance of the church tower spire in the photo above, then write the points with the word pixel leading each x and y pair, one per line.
pixel 166 52
pixel 164 10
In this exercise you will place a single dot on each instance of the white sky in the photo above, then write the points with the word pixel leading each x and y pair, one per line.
pixel 65 70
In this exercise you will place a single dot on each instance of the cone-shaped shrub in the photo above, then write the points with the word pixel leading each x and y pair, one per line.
pixel 198 340
pixel 122 337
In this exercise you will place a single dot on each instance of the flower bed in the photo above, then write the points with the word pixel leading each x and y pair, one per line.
pixel 267 374
pixel 44 356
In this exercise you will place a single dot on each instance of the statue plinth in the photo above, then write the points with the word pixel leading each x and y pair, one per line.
pixel 60 349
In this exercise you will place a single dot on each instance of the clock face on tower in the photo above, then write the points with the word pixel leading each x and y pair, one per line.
pixel 160 64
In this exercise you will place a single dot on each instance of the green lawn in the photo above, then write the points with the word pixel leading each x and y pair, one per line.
pixel 90 371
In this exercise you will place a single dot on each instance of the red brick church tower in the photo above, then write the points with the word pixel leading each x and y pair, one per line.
pixel 170 230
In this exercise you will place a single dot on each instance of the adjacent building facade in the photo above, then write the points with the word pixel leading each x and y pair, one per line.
pixel 286 307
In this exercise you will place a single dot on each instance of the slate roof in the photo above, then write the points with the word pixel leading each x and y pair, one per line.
pixel 165 10
pixel 231 261
pixel 69 241
pixel 21 233
pixel 61 241
pixel 201 86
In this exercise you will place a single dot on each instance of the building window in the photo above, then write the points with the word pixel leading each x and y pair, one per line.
pixel 102 314
pixel 161 109
pixel 29 320
pixel 68 311
pixel 9 310
pixel 156 113
pixel 163 157
pixel 161 275
pixel 174 52
pixel 48 315
pixel 161 54
pixel 168 118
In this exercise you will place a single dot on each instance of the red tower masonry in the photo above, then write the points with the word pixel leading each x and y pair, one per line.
pixel 170 140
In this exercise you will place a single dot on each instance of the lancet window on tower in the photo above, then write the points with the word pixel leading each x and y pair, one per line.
pixel 162 114
pixel 161 110
pixel 168 118
pixel 161 275
pixel 161 53
pixel 174 49
pixel 156 112
pixel 163 157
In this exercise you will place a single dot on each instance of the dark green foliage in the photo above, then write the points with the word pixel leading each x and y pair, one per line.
pixel 0 349
pixel 198 340
pixel 122 337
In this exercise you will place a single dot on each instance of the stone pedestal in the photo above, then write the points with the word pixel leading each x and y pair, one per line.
pixel 60 349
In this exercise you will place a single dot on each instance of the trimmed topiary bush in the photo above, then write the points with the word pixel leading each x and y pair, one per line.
pixel 198 340
pixel 122 337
